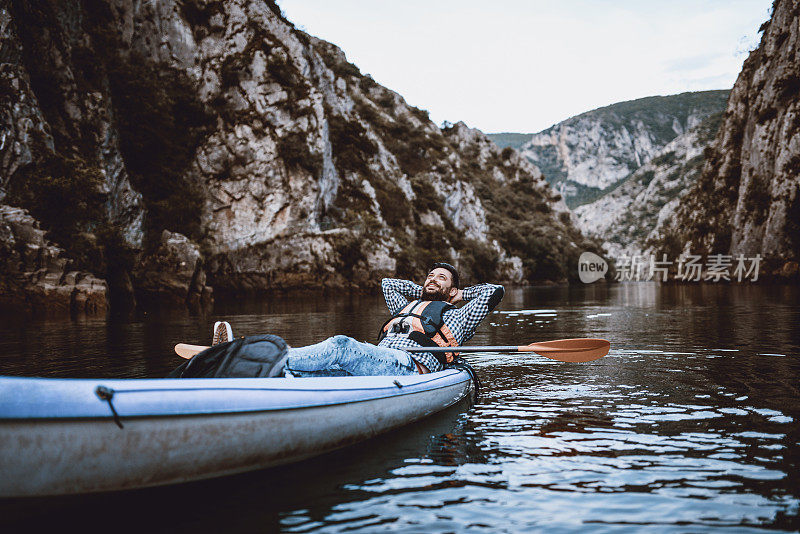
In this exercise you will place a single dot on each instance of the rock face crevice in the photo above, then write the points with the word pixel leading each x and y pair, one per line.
pixel 218 142
pixel 24 133
pixel 57 73
pixel 747 200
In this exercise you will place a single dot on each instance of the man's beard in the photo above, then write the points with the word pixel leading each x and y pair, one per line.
pixel 435 294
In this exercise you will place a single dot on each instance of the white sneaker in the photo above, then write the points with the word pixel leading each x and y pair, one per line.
pixel 222 333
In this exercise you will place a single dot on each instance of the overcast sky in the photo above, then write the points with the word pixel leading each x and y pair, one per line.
pixel 521 66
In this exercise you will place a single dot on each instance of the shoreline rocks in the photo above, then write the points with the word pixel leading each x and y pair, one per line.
pixel 35 274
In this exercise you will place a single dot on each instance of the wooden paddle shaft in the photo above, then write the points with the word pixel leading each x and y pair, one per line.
pixel 497 348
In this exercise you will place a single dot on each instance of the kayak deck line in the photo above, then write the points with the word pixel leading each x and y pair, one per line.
pixel 275 383
pixel 125 417
pixel 222 388
pixel 76 399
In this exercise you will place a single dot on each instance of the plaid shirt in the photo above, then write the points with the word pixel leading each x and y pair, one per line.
pixel 462 322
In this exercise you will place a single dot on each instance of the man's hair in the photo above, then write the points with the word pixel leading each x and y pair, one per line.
pixel 447 266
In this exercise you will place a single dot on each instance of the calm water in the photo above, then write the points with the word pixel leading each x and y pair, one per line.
pixel 690 424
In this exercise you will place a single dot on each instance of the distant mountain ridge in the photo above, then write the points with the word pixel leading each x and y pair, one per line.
pixel 633 211
pixel 597 149
pixel 510 139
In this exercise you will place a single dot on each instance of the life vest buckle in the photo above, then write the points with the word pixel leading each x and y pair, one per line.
pixel 401 328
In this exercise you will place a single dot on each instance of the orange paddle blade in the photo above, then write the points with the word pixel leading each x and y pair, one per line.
pixel 184 350
pixel 570 350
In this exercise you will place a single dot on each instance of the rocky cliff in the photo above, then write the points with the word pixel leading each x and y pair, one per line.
pixel 632 212
pixel 586 155
pixel 747 200
pixel 216 140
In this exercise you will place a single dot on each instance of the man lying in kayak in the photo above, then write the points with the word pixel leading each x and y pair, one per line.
pixel 424 315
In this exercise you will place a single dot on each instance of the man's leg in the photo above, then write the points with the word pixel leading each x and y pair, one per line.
pixel 361 359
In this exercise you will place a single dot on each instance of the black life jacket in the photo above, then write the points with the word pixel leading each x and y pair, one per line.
pixel 422 321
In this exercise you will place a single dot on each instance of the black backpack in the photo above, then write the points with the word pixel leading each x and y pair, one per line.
pixel 262 356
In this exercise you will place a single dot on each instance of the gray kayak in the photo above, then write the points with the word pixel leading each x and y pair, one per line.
pixel 67 436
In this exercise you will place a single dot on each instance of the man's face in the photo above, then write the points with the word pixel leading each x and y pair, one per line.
pixel 438 285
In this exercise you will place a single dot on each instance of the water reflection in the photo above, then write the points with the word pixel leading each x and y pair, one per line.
pixel 689 424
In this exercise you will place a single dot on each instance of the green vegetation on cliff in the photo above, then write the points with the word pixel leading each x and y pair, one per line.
pixel 509 139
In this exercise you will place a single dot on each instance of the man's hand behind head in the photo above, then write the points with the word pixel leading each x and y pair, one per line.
pixel 458 297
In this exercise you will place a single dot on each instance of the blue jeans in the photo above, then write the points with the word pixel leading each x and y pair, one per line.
pixel 343 356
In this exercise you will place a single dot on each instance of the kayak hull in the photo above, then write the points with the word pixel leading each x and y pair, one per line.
pixel 59 437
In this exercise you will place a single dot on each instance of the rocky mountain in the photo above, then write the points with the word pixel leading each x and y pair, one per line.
pixel 631 213
pixel 747 200
pixel 170 147
pixel 586 155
